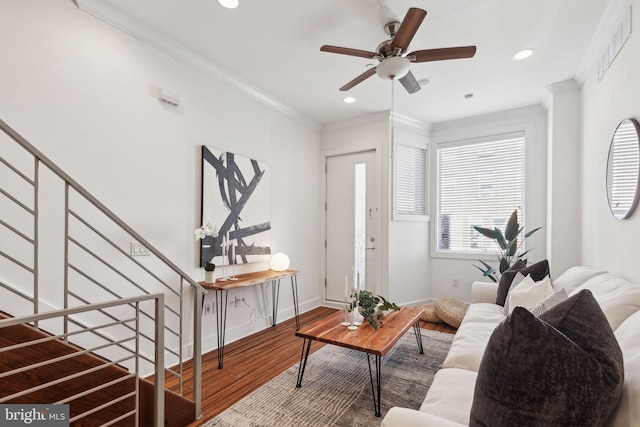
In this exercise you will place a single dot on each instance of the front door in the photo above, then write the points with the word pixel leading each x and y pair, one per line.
pixel 352 223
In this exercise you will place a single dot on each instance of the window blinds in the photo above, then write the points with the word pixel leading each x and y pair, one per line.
pixel 411 180
pixel 480 182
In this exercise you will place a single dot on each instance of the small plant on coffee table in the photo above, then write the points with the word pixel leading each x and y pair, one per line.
pixel 371 307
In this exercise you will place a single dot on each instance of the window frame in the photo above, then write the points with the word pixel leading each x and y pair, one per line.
pixel 453 142
pixel 414 144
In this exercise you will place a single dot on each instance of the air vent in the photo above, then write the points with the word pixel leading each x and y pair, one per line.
pixel 621 33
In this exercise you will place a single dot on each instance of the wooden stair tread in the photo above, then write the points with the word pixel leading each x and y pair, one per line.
pixel 179 411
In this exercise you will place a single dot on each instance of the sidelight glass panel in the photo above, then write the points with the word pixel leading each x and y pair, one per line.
pixel 360 220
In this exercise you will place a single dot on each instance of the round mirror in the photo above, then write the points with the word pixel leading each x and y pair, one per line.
pixel 622 169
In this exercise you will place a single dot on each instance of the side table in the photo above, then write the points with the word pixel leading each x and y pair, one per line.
pixel 222 288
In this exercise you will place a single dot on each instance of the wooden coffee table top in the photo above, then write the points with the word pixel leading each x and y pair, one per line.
pixel 249 279
pixel 365 338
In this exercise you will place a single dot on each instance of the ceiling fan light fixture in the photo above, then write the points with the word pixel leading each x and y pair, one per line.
pixel 229 4
pixel 394 67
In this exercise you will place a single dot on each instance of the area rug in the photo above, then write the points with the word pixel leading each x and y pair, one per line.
pixel 336 390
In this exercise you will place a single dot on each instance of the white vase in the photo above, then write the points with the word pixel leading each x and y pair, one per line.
pixel 210 276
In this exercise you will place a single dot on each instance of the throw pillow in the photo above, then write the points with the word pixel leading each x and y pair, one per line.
pixel 551 301
pixel 528 293
pixel 506 279
pixel 562 369
pixel 537 272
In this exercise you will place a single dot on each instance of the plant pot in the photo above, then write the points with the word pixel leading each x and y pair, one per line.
pixel 210 276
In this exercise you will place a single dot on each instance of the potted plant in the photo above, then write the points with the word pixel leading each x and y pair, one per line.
pixel 508 246
pixel 210 272
pixel 201 233
pixel 371 307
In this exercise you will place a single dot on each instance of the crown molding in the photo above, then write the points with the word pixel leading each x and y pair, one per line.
pixel 129 25
pixel 382 116
pixel 411 124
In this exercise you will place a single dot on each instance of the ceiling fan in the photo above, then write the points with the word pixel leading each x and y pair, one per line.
pixel 393 56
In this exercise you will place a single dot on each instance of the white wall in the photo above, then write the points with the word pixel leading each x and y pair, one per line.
pixel 408 256
pixel 84 93
pixel 609 243
pixel 531 120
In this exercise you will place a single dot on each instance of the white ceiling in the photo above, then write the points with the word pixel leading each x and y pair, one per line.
pixel 274 46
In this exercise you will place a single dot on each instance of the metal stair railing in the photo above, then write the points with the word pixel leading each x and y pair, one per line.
pixel 95 269
pixel 133 354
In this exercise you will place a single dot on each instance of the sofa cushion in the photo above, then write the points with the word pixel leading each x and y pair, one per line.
pixel 574 277
pixel 562 369
pixel 618 298
pixel 537 271
pixel 468 345
pixel 484 312
pixel 628 336
pixel 450 390
pixel 406 417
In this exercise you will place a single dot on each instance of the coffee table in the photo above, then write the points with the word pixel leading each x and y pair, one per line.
pixel 365 338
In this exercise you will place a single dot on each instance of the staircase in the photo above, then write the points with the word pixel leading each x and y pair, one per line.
pixel 87 338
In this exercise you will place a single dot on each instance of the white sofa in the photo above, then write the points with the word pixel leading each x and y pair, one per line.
pixel 449 399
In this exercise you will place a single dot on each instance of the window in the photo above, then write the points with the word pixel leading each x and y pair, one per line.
pixel 410 181
pixel 480 182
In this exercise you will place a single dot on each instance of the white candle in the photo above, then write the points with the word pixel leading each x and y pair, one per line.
pixel 346 287
pixel 233 251
pixel 227 237
pixel 224 247
pixel 358 280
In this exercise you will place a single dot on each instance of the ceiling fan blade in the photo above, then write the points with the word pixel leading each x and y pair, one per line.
pixel 410 83
pixel 443 53
pixel 408 28
pixel 349 51
pixel 362 77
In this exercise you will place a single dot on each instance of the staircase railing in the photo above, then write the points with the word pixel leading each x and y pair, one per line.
pixel 129 382
pixel 36 199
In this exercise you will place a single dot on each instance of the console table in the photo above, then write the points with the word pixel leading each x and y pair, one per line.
pixel 222 288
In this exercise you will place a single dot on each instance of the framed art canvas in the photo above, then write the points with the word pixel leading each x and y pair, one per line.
pixel 236 197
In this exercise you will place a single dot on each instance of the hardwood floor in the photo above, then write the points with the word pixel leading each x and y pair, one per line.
pixel 252 361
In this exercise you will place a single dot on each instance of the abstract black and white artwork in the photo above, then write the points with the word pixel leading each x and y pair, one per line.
pixel 236 197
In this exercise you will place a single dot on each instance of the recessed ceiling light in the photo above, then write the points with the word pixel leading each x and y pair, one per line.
pixel 349 100
pixel 229 4
pixel 522 54
pixel 468 96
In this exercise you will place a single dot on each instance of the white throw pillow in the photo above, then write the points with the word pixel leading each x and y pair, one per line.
pixel 517 279
pixel 529 293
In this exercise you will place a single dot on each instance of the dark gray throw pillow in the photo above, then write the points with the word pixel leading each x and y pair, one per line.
pixel 537 271
pixel 562 369
pixel 506 279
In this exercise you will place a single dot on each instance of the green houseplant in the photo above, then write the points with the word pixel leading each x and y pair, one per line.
pixel 508 246
pixel 371 307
